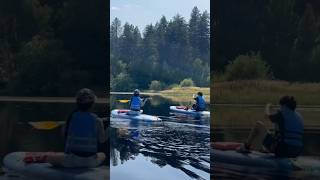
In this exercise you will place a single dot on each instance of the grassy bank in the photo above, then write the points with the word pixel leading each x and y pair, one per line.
pixel 245 117
pixel 264 91
pixel 184 94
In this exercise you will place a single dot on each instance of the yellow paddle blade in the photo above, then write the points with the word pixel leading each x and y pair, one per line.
pixel 45 125
pixel 124 100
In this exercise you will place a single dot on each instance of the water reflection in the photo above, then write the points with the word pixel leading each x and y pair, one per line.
pixel 176 148
pixel 232 124
pixel 165 145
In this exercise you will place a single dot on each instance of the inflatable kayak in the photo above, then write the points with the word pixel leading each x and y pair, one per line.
pixel 128 114
pixel 225 155
pixel 14 164
pixel 184 110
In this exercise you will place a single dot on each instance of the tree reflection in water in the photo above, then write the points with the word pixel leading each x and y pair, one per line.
pixel 177 147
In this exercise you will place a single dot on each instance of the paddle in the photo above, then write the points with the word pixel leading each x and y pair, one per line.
pixel 49 125
pixel 127 100
pixel 46 125
pixel 124 100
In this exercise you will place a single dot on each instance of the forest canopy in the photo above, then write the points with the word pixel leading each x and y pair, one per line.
pixel 164 54
pixel 285 34
pixel 53 47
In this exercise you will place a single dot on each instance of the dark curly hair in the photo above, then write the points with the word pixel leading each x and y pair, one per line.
pixel 288 101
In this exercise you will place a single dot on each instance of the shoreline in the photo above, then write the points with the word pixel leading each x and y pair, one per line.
pixel 33 99
pixel 265 91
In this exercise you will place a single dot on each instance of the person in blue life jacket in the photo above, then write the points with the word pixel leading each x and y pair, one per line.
pixel 136 102
pixel 84 132
pixel 200 104
pixel 287 140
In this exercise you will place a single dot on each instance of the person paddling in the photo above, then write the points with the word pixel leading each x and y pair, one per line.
pixel 200 104
pixel 136 101
pixel 84 131
pixel 287 141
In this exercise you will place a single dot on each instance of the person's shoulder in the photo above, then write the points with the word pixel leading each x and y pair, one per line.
pixel 299 115
pixel 93 114
pixel 74 113
pixel 276 116
pixel 278 112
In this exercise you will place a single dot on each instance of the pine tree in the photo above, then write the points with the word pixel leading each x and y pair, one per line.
pixel 194 32
pixel 115 31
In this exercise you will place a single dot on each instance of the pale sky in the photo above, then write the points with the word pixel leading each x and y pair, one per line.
pixel 143 12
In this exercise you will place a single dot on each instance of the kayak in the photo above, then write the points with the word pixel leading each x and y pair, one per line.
pixel 225 155
pixel 183 110
pixel 133 115
pixel 14 164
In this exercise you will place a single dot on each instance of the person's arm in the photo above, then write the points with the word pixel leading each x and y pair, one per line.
pixel 273 116
pixel 101 132
pixel 268 110
pixel 130 102
pixel 143 101
pixel 196 99
pixel 66 125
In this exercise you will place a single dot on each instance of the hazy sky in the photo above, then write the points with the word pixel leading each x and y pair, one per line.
pixel 143 12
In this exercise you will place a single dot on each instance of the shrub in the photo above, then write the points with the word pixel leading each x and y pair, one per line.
pixel 186 83
pixel 122 82
pixel 201 71
pixel 247 67
pixel 156 85
pixel 173 86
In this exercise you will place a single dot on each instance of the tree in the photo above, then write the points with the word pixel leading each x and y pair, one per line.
pixel 200 73
pixel 128 44
pixel 122 82
pixel 156 85
pixel 303 46
pixel 186 83
pixel 246 67
pixel 194 33
pixel 164 52
pixel 204 36
pixel 115 31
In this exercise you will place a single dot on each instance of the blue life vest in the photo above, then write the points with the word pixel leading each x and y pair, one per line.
pixel 201 103
pixel 292 130
pixel 135 103
pixel 82 135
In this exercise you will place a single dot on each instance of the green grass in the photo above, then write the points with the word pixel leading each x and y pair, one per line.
pixel 184 94
pixel 264 91
pixel 245 117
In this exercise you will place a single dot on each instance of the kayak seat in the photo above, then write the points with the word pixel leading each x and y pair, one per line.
pixel 181 107
pixel 123 111
pixel 226 146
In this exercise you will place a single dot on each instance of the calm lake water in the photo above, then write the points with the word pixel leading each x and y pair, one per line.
pixel 17 135
pixel 233 124
pixel 176 148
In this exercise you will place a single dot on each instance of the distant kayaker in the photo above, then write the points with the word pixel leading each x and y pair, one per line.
pixel 84 131
pixel 287 141
pixel 200 104
pixel 136 102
